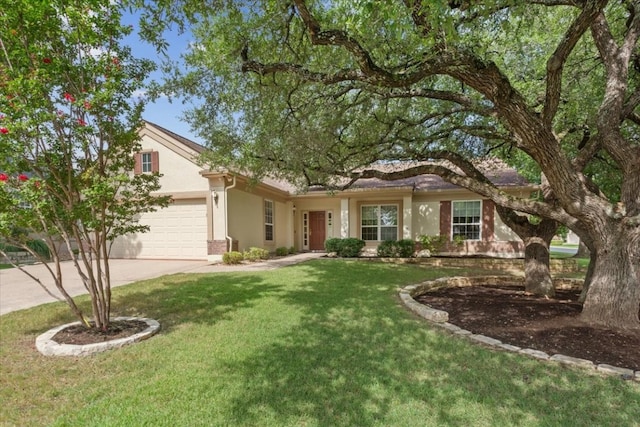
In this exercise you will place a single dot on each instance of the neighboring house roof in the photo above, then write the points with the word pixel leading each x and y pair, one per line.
pixel 497 171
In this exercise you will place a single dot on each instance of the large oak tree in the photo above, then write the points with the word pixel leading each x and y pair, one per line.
pixel 315 90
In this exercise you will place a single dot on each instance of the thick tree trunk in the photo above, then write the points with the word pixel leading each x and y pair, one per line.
pixel 613 297
pixel 583 250
pixel 593 255
pixel 536 238
pixel 537 275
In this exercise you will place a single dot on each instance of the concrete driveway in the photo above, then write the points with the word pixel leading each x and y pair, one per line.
pixel 18 291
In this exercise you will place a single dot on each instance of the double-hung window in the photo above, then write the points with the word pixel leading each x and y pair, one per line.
pixel 379 222
pixel 268 220
pixel 466 219
pixel 147 165
pixel 146 162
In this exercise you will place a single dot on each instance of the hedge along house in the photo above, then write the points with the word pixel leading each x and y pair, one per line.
pixel 214 211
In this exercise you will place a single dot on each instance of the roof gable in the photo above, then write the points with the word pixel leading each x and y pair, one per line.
pixel 190 145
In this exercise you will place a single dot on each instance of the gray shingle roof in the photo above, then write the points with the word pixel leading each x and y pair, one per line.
pixel 498 173
pixel 193 145
pixel 506 177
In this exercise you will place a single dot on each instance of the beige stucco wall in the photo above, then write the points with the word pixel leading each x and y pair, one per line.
pixel 501 232
pixel 282 226
pixel 246 219
pixel 179 173
pixel 246 215
pixel 425 218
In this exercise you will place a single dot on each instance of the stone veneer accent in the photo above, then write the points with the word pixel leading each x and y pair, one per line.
pixel 440 318
pixel 567 265
pixel 47 346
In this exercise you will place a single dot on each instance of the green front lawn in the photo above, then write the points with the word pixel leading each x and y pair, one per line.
pixel 326 343
pixel 3 266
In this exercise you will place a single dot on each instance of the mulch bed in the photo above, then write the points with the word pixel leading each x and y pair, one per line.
pixel 80 335
pixel 550 325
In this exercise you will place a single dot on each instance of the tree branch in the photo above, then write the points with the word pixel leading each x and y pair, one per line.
pixel 476 184
pixel 630 106
pixel 555 63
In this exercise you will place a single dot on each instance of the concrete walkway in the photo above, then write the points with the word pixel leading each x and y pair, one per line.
pixel 18 291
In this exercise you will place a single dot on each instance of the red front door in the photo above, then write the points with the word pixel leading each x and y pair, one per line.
pixel 317 232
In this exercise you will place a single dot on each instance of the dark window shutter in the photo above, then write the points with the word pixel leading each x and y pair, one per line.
pixel 137 167
pixel 155 161
pixel 445 219
pixel 488 220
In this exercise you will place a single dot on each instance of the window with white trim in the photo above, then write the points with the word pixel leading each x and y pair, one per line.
pixel 268 220
pixel 146 162
pixel 379 222
pixel 466 217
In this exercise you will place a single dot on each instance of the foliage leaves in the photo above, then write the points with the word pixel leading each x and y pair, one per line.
pixel 314 90
pixel 71 111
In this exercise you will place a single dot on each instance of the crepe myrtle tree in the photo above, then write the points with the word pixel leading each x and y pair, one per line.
pixel 313 90
pixel 68 129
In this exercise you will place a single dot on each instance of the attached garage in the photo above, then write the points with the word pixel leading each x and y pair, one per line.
pixel 177 232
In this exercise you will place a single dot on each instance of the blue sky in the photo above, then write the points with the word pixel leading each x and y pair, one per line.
pixel 161 111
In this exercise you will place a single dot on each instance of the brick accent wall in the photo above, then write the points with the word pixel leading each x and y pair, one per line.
pixel 488 220
pixel 445 219
pixel 217 247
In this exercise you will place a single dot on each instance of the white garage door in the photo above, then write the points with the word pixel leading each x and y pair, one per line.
pixel 178 231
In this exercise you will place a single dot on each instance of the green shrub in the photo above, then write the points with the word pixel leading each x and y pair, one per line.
pixel 282 251
pixel 396 248
pixel 347 248
pixel 256 254
pixel 387 249
pixel 292 250
pixel 351 247
pixel 433 244
pixel 406 248
pixel 333 244
pixel 10 248
pixel 39 247
pixel 233 257
pixel 458 241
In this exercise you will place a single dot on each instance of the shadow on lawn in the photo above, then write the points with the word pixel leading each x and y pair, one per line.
pixel 195 298
pixel 180 298
pixel 358 358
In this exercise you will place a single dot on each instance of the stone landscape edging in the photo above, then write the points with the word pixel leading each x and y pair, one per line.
pixel 440 318
pixel 47 346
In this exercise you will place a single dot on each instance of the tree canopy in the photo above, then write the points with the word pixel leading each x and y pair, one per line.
pixel 311 90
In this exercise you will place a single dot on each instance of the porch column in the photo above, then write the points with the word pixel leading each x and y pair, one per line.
pixel 407 218
pixel 344 218
pixel 290 219
pixel 216 206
